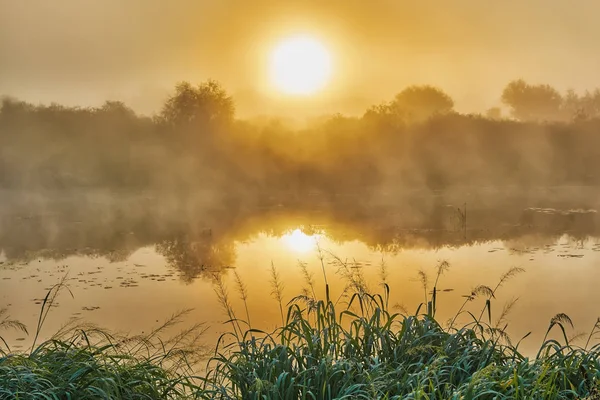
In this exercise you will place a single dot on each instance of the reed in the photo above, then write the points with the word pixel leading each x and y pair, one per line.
pixel 364 350
pixel 81 361
pixel 358 348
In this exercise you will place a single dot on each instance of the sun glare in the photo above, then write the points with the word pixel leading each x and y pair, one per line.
pixel 299 241
pixel 300 65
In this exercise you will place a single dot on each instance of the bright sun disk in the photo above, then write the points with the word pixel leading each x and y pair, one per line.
pixel 300 65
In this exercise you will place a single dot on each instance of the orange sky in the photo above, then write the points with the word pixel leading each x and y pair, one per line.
pixel 83 52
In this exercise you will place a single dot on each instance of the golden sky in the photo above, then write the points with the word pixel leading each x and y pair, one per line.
pixel 86 51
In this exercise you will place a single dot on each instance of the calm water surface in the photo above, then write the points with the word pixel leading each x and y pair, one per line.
pixel 130 268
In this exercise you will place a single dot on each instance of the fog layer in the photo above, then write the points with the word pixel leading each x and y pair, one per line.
pixel 194 178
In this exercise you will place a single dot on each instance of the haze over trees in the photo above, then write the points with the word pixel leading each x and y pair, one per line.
pixel 207 103
pixel 541 102
pixel 418 103
pixel 416 140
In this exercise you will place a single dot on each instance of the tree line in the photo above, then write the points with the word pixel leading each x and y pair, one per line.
pixel 195 142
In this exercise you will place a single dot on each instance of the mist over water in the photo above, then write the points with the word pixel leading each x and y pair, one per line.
pixel 144 214
pixel 198 236
pixel 133 258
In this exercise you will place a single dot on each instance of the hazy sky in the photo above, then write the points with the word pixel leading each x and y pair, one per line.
pixel 86 51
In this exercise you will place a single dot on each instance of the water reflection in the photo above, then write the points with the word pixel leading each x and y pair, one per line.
pixel 139 257
pixel 197 256
pixel 301 242
pixel 197 235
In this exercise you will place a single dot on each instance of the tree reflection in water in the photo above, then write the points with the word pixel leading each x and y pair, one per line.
pixel 194 257
pixel 198 237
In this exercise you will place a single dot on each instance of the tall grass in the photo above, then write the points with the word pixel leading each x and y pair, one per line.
pixel 6 322
pixel 360 348
pixel 349 346
pixel 81 361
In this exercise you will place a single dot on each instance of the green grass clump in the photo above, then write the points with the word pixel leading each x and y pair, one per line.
pixel 355 346
pixel 90 364
pixel 362 350
pixel 81 361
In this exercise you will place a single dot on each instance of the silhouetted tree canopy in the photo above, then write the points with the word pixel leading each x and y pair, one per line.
pixel 207 103
pixel 418 103
pixel 583 107
pixel 195 144
pixel 12 108
pixel 384 117
pixel 532 102
pixel 117 109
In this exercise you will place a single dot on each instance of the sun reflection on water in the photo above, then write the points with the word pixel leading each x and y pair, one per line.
pixel 300 242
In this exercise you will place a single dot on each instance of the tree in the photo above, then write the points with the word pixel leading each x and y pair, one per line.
pixel 494 113
pixel 117 109
pixel 419 103
pixel 384 117
pixel 589 105
pixel 10 107
pixel 572 106
pixel 532 102
pixel 207 103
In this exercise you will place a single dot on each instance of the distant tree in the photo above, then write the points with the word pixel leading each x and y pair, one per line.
pixel 10 106
pixel 494 113
pixel 117 108
pixel 589 104
pixel 532 102
pixel 418 103
pixel 384 116
pixel 380 110
pixel 207 103
pixel 572 106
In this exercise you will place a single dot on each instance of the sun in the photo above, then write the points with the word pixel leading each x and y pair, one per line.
pixel 300 65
